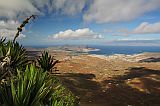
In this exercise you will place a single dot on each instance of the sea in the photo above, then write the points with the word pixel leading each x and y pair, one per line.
pixel 128 50
pixel 110 50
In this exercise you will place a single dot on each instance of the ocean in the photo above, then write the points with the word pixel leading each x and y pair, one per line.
pixel 110 50
pixel 128 50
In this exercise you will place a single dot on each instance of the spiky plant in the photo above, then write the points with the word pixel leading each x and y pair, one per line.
pixel 18 56
pixel 46 62
pixel 35 88
pixel 2 40
pixel 12 56
pixel 2 48
pixel 28 89
pixel 4 59
pixel 2 72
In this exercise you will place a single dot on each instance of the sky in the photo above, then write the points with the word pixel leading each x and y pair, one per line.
pixel 82 22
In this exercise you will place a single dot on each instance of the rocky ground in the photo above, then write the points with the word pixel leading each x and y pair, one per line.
pixel 117 80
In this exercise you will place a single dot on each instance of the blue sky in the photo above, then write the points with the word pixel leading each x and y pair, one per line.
pixel 92 22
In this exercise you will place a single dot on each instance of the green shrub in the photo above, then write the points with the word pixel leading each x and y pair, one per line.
pixel 35 88
pixel 62 96
pixel 27 89
pixel 46 62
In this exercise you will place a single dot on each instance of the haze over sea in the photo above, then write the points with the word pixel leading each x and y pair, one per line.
pixel 129 50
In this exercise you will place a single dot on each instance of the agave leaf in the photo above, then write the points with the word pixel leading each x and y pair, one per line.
pixel 46 62
pixel 13 90
pixel 35 88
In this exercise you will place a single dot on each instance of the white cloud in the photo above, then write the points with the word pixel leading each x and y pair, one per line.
pixel 8 29
pixel 104 11
pixel 147 28
pixel 9 34
pixel 85 33
pixel 10 24
pixel 143 28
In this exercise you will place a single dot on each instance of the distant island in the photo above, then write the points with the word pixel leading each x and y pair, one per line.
pixel 73 48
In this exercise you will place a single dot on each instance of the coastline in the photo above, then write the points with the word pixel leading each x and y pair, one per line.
pixel 84 73
pixel 129 58
pixel 72 51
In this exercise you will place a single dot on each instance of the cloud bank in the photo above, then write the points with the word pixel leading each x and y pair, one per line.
pixel 85 33
pixel 147 28
pixel 100 11
pixel 104 11
pixel 141 29
pixel 11 9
